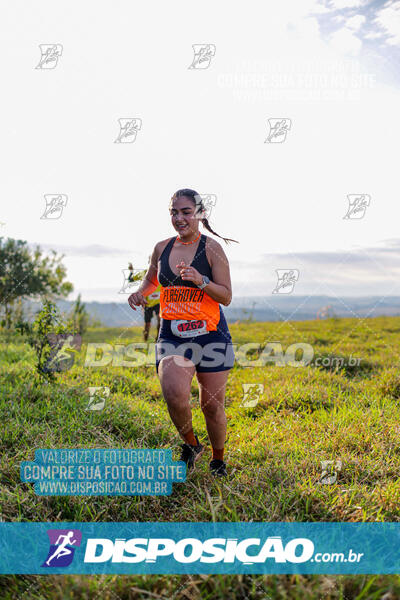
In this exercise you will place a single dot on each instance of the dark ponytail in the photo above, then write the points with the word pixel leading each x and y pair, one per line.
pixel 198 202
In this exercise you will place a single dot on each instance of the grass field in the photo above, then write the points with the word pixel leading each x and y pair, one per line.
pixel 274 451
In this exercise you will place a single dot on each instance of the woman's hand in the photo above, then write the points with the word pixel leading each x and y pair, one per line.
pixel 189 273
pixel 137 299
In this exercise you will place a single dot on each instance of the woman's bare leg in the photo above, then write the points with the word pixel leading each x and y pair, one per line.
pixel 212 396
pixel 175 384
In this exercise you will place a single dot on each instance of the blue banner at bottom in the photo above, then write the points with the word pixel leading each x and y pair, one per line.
pixel 149 547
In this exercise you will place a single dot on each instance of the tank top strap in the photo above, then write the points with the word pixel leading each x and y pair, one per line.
pixel 167 277
pixel 201 248
pixel 200 261
pixel 168 248
pixel 164 258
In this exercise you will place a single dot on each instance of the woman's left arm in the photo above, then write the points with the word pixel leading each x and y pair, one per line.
pixel 220 289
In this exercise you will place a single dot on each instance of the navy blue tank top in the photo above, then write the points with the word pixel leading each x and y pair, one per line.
pixel 167 278
pixel 165 275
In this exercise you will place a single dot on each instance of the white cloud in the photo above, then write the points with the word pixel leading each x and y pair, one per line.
pixel 345 42
pixel 389 19
pixel 338 19
pixel 341 4
pixel 354 23
pixel 305 29
pixel 93 250
pixel 318 8
pixel 373 35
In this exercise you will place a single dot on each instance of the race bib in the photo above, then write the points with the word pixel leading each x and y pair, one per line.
pixel 187 328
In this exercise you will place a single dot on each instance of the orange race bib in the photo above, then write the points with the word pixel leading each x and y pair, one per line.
pixel 180 302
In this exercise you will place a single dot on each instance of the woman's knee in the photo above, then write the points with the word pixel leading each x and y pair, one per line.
pixel 174 394
pixel 211 407
pixel 175 381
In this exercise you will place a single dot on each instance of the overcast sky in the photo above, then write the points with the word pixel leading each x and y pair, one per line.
pixel 329 67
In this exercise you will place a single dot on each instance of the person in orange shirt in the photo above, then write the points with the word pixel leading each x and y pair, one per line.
pixel 152 304
pixel 193 271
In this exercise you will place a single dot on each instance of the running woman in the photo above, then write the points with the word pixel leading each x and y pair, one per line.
pixel 193 271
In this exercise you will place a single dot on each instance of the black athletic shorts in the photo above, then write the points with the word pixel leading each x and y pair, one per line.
pixel 211 352
pixel 149 310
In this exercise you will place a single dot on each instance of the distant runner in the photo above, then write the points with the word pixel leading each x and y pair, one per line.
pixel 153 302
pixel 193 271
pixel 153 307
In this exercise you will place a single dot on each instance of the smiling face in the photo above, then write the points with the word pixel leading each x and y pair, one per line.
pixel 183 218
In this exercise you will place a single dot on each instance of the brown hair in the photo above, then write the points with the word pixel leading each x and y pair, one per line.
pixel 198 202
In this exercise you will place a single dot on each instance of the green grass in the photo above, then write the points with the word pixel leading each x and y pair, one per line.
pixel 273 452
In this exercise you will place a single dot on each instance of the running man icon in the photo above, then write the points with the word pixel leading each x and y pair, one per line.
pixel 62 550
pixel 63 543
